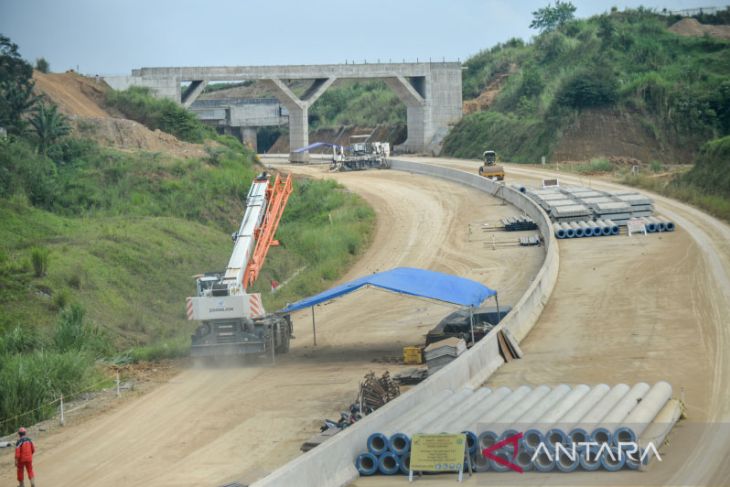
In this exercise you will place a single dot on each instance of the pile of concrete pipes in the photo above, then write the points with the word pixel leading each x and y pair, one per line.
pixel 560 428
pixel 578 229
pixel 653 224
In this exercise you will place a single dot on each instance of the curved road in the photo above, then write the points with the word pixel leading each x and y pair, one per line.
pixel 208 427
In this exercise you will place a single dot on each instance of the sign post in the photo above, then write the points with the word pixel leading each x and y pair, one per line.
pixel 438 453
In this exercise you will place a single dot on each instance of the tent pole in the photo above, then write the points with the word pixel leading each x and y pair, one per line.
pixel 314 328
pixel 496 299
pixel 471 323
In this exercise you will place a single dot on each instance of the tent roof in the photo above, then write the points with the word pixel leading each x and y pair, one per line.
pixel 414 282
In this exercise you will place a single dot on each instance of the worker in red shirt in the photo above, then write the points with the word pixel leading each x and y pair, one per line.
pixel 24 451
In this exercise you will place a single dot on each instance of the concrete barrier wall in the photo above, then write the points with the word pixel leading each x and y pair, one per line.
pixel 332 463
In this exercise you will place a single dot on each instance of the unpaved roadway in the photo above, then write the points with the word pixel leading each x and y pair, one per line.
pixel 206 427
pixel 628 310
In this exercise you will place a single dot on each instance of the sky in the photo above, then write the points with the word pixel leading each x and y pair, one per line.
pixel 112 37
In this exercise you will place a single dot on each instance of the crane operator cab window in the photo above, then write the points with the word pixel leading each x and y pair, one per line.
pixel 205 284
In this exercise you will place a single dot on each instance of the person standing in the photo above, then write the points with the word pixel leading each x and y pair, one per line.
pixel 24 450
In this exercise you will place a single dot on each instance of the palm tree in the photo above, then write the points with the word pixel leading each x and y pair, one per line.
pixel 49 124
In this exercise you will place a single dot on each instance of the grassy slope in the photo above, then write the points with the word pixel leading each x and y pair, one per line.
pixel 676 86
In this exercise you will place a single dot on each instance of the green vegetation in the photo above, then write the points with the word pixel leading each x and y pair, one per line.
pixel 365 104
pixel 16 87
pixel 42 65
pixel 549 18
pixel 617 62
pixel 98 247
pixel 137 104
pixel 706 185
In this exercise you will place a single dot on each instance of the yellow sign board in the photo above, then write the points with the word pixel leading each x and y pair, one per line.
pixel 438 453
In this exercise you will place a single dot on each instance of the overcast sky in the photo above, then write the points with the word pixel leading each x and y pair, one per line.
pixel 115 36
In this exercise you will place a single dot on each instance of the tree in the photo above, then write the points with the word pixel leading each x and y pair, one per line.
pixel 550 18
pixel 49 124
pixel 16 87
pixel 42 65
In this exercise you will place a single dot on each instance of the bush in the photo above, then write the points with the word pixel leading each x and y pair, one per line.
pixel 588 89
pixel 39 259
pixel 138 104
pixel 42 65
pixel 595 166
pixel 711 172
pixel 72 333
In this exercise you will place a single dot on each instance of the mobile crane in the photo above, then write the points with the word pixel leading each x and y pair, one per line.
pixel 233 321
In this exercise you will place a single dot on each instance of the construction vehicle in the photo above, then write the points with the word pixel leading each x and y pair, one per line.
pixel 233 321
pixel 360 156
pixel 490 169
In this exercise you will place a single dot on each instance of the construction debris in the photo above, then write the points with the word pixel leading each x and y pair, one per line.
pixel 375 392
pixel 411 376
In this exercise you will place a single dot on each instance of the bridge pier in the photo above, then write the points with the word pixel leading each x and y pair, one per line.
pixel 430 91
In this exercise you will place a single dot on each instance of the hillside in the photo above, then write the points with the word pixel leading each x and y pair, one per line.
pixel 621 84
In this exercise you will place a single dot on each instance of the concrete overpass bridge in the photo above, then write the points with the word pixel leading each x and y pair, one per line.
pixel 430 91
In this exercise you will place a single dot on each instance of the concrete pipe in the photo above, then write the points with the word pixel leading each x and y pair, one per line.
pixel 589 458
pixel 612 459
pixel 405 464
pixel 650 226
pixel 470 419
pixel 567 459
pixel 604 432
pixel 472 442
pixel 452 421
pixel 479 463
pixel 569 231
pixel 578 229
pixel 419 423
pixel 400 443
pixel 488 438
pixel 589 422
pixel 614 228
pixel 587 229
pixel 524 460
pixel 402 423
pixel 559 231
pixel 497 466
pixel 605 227
pixel 366 464
pixel 658 224
pixel 533 435
pixel 388 463
pixel 658 430
pixel 597 231
pixel 504 427
pixel 669 225
pixel 543 462
pixel 574 414
pixel 639 418
pixel 378 444
pixel 530 421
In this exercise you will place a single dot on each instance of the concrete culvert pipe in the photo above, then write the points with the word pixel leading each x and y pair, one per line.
pixel 658 224
pixel 480 463
pixel 589 458
pixel 543 462
pixel 524 460
pixel 532 438
pixel 567 460
pixel 488 439
pixel 472 442
pixel 619 412
pixel 578 229
pixel 650 226
pixel 559 231
pixel 366 464
pixel 639 418
pixel 497 466
pixel 614 228
pixel 532 421
pixel 658 430
pixel 579 435
pixel 388 463
pixel 554 413
pixel 587 229
pixel 669 225
pixel 612 459
pixel 400 443
pixel 493 415
pixel 573 415
pixel 453 420
pixel 405 464
pixel 569 231
pixel 378 444
pixel 597 231
pixel 595 414
pixel 471 418
pixel 633 458
pixel 512 416
pixel 554 436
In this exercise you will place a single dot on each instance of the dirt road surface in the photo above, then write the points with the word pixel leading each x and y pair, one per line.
pixel 627 310
pixel 208 427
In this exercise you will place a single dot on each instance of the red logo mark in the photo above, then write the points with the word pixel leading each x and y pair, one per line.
pixel 514 440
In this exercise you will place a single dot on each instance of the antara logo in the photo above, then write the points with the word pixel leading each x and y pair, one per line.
pixel 591 450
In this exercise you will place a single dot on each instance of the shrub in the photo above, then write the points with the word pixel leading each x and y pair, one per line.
pixel 39 259
pixel 42 65
pixel 73 333
pixel 588 88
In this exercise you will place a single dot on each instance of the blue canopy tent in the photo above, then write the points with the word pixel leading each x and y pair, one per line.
pixel 410 281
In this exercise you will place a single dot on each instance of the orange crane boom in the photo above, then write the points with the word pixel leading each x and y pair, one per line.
pixel 277 196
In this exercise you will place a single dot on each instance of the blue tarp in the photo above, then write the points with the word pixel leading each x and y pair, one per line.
pixel 414 282
pixel 314 146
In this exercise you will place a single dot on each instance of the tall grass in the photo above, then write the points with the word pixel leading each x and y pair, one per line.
pixel 39 259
